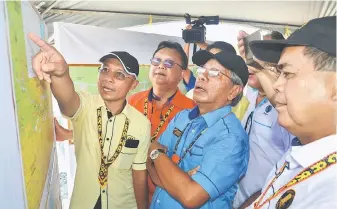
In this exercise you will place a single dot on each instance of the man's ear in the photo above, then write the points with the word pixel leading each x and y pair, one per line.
pixel 134 85
pixel 330 83
pixel 334 95
pixel 236 90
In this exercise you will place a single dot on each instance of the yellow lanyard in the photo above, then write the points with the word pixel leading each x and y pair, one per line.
pixel 162 121
pixel 105 163
pixel 305 174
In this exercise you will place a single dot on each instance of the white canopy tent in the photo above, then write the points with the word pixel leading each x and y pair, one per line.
pixel 117 14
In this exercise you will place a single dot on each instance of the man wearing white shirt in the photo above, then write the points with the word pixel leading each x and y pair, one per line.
pixel 306 177
pixel 267 141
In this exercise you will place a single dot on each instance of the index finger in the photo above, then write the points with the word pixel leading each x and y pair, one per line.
pixel 44 46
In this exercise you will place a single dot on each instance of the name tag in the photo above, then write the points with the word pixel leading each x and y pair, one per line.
pixel 177 132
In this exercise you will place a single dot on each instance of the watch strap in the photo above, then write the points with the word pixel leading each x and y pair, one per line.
pixel 161 151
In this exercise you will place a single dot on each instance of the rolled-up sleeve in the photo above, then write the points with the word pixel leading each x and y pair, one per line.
pixel 139 163
pixel 224 163
pixel 191 83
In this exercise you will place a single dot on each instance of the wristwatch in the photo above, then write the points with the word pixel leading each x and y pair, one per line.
pixel 155 153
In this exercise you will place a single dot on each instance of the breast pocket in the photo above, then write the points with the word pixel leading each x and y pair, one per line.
pixel 196 154
pixel 263 127
pixel 125 158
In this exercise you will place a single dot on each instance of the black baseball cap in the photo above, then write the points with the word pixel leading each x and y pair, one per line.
pixel 129 62
pixel 319 33
pixel 221 45
pixel 229 60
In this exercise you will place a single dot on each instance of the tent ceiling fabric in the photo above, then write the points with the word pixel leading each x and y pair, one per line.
pixel 281 13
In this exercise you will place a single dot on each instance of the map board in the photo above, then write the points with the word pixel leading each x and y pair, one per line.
pixel 33 108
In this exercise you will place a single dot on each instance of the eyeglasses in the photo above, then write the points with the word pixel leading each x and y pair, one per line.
pixel 266 66
pixel 119 75
pixel 167 63
pixel 256 65
pixel 211 72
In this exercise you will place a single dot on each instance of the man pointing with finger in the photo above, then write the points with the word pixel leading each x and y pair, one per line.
pixel 110 136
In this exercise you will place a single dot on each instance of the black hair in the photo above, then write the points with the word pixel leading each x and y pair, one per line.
pixel 275 35
pixel 223 46
pixel 176 46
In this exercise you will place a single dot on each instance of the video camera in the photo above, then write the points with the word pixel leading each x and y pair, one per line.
pixel 198 32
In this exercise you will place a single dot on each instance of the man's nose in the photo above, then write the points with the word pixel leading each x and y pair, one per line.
pixel 203 76
pixel 161 65
pixel 109 77
pixel 279 84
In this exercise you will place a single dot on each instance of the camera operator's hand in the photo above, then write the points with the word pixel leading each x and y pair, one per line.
pixel 241 44
pixel 188 27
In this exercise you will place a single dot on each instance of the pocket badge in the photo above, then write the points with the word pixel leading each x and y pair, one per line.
pixel 286 200
pixel 268 109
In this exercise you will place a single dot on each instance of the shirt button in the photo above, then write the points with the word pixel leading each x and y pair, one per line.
pixel 193 131
pixel 107 139
pixel 103 191
pixel 110 120
pixel 158 201
pixel 104 157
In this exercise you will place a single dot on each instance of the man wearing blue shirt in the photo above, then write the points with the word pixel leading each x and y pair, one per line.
pixel 189 79
pixel 208 137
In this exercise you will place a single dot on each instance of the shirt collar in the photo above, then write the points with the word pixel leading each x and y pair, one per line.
pixel 125 111
pixel 174 99
pixel 308 154
pixel 210 117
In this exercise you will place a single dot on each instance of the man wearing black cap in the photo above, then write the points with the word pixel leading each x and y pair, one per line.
pixel 305 96
pixel 208 136
pixel 189 79
pixel 111 137
pixel 268 141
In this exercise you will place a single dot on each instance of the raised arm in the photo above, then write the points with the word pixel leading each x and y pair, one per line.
pixel 188 82
pixel 266 77
pixel 49 65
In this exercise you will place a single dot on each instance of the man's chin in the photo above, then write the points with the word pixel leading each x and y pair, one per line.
pixel 198 98
pixel 159 82
pixel 107 97
pixel 254 84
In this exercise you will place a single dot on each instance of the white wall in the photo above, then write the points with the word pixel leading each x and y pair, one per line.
pixel 84 44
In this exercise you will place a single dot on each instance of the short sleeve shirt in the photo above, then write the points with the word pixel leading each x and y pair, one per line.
pixel 268 142
pixel 155 114
pixel 221 152
pixel 178 102
pixel 118 193
pixel 191 83
pixel 318 190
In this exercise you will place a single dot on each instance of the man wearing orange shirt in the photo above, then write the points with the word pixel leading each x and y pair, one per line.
pixel 164 100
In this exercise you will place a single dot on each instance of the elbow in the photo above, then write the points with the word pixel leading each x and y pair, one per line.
pixel 191 201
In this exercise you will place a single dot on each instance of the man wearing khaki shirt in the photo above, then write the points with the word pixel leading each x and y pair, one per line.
pixel 111 138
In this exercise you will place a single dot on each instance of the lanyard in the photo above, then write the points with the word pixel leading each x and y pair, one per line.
pixel 175 157
pixel 249 122
pixel 105 163
pixel 305 174
pixel 162 121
